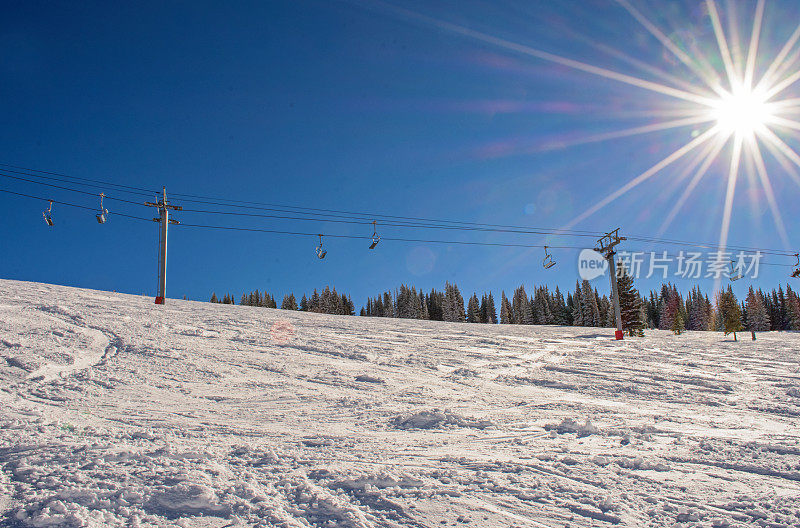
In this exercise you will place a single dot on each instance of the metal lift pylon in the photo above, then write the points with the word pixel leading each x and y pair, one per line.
pixel 605 246
pixel 163 207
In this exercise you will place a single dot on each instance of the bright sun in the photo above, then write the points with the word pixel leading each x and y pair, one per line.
pixel 742 112
pixel 749 105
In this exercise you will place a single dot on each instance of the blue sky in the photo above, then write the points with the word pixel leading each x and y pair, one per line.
pixel 360 107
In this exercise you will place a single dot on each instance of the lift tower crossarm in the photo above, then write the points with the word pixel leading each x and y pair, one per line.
pixel 163 206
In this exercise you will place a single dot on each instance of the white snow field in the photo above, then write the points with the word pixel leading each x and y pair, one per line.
pixel 117 412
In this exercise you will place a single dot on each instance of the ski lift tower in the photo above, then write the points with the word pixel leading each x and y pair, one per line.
pixel 163 207
pixel 605 246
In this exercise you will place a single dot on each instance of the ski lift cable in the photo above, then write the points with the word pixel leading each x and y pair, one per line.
pixel 77 206
pixel 316 212
pixel 674 256
pixel 232 203
pixel 652 240
pixel 315 216
pixel 296 233
pixel 69 189
pixel 701 245
pixel 372 215
pixel 362 222
pixel 364 216
pixel 100 185
pixel 72 179
pixel 367 237
pixel 390 224
pixel 394 239
pixel 330 235
pixel 500 230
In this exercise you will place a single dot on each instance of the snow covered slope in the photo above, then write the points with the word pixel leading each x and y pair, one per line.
pixel 116 412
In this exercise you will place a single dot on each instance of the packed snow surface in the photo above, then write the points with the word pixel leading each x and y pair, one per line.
pixel 117 412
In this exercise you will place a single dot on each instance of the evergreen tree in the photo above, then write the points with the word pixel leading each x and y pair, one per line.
pixel 730 315
pixel 630 304
pixel 473 310
pixel 757 319
pixel 542 314
pixel 454 304
pixel 214 298
pixel 652 311
pixel 569 306
pixel 775 314
pixel 577 306
pixel 607 314
pixel 488 311
pixel 677 323
pixel 506 311
pixel 783 316
pixel 698 317
pixel 289 302
pixel 435 305
pixel 388 305
pixel 590 312
pixel 269 301
pixel 670 305
pixel 675 314
pixel 560 313
pixel 521 307
pixel 424 304
pixel 793 309
pixel 664 317
pixel 314 302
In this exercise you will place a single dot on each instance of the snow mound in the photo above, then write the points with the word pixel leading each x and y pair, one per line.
pixel 366 378
pixel 188 498
pixel 25 363
pixel 568 425
pixel 380 480
pixel 463 372
pixel 641 464
pixel 436 418
pixel 320 507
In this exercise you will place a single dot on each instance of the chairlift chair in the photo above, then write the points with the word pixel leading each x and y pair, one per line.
pixel 375 237
pixel 796 272
pixel 320 251
pixel 48 215
pixel 548 261
pixel 736 273
pixel 101 216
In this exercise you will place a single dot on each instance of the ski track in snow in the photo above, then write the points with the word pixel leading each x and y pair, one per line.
pixel 115 412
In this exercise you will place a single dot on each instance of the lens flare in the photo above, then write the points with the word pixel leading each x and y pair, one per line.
pixel 736 104
pixel 745 110
pixel 742 112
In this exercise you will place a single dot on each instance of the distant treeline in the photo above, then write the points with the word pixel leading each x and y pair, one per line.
pixel 666 308
pixel 327 301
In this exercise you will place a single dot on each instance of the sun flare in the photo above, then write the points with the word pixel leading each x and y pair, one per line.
pixel 742 112
pixel 749 106
pixel 738 95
